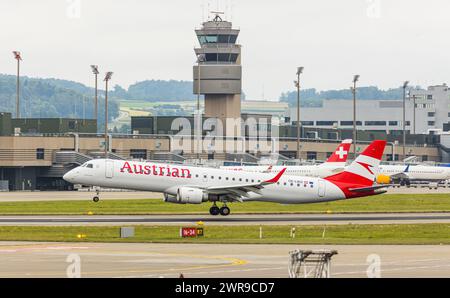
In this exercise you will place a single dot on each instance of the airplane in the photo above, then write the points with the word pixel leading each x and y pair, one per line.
pixel 334 164
pixel 405 174
pixel 194 185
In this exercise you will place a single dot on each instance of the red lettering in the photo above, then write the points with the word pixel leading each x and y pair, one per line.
pixel 183 171
pixel 126 166
pixel 175 173
pixel 161 171
pixel 147 170
pixel 136 171
pixel 154 170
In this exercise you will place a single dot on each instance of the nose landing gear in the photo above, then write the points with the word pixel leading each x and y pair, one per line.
pixel 96 197
pixel 224 211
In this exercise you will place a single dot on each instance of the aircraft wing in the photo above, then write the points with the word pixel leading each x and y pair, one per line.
pixel 241 190
pixel 402 175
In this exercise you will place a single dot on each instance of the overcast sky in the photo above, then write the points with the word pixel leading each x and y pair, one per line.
pixel 385 41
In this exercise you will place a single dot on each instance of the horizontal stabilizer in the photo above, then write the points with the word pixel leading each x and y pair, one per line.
pixel 370 188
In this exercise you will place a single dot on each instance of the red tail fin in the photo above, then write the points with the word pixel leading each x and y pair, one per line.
pixel 341 153
pixel 361 172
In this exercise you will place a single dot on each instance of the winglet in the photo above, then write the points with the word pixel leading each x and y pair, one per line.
pixel 277 177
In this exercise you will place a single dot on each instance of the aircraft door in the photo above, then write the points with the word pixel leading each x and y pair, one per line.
pixel 109 169
pixel 322 188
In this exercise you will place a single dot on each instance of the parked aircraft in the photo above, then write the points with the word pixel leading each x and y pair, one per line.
pixel 334 164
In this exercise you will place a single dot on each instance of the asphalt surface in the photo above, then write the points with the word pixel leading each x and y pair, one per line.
pixel 18 259
pixel 269 219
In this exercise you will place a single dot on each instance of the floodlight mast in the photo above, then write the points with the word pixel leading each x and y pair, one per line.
pixel 405 85
pixel 107 78
pixel 297 84
pixel 355 136
pixel 18 57
pixel 95 72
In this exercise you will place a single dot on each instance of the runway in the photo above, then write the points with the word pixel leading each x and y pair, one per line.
pixel 267 219
pixel 19 259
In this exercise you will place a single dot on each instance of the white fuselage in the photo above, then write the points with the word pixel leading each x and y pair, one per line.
pixel 417 172
pixel 168 178
pixel 320 171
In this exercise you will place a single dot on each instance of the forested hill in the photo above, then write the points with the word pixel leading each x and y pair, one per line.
pixel 50 98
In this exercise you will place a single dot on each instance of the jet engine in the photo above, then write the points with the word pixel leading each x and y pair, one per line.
pixel 187 195
pixel 383 179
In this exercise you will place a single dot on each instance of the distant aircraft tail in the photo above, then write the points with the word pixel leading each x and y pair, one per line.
pixel 341 153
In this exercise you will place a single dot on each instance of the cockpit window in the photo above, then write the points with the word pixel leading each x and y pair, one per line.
pixel 90 166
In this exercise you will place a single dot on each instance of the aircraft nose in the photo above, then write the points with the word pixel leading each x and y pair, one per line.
pixel 69 176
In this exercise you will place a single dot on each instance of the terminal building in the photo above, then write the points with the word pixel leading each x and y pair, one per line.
pixel 427 111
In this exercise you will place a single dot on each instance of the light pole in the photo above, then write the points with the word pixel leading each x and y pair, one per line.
pixel 297 84
pixel 95 72
pixel 414 114
pixel 355 79
pixel 107 78
pixel 18 57
pixel 200 59
pixel 405 85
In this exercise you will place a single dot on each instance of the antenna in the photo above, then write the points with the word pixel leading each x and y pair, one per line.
pixel 208 10
pixel 217 18
pixel 202 6
pixel 231 10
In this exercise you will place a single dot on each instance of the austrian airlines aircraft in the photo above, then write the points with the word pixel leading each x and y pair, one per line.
pixel 195 185
pixel 334 164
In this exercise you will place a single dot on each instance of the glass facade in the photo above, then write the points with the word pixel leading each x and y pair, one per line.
pixel 222 57
pixel 221 38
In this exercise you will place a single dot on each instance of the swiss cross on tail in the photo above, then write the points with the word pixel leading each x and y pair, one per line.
pixel 358 178
pixel 341 153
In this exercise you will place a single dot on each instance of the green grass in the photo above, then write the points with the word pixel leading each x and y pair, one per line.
pixel 334 234
pixel 383 203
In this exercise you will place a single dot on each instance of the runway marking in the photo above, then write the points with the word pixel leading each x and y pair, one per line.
pixel 233 262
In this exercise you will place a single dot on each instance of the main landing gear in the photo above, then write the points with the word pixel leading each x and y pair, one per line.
pixel 224 211
pixel 96 197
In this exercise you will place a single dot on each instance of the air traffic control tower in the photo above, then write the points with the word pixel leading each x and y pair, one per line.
pixel 220 71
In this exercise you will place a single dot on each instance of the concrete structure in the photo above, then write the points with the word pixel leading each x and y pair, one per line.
pixel 10 126
pixel 252 125
pixel 219 70
pixel 426 110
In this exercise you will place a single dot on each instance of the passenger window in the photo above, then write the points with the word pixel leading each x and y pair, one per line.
pixel 90 166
